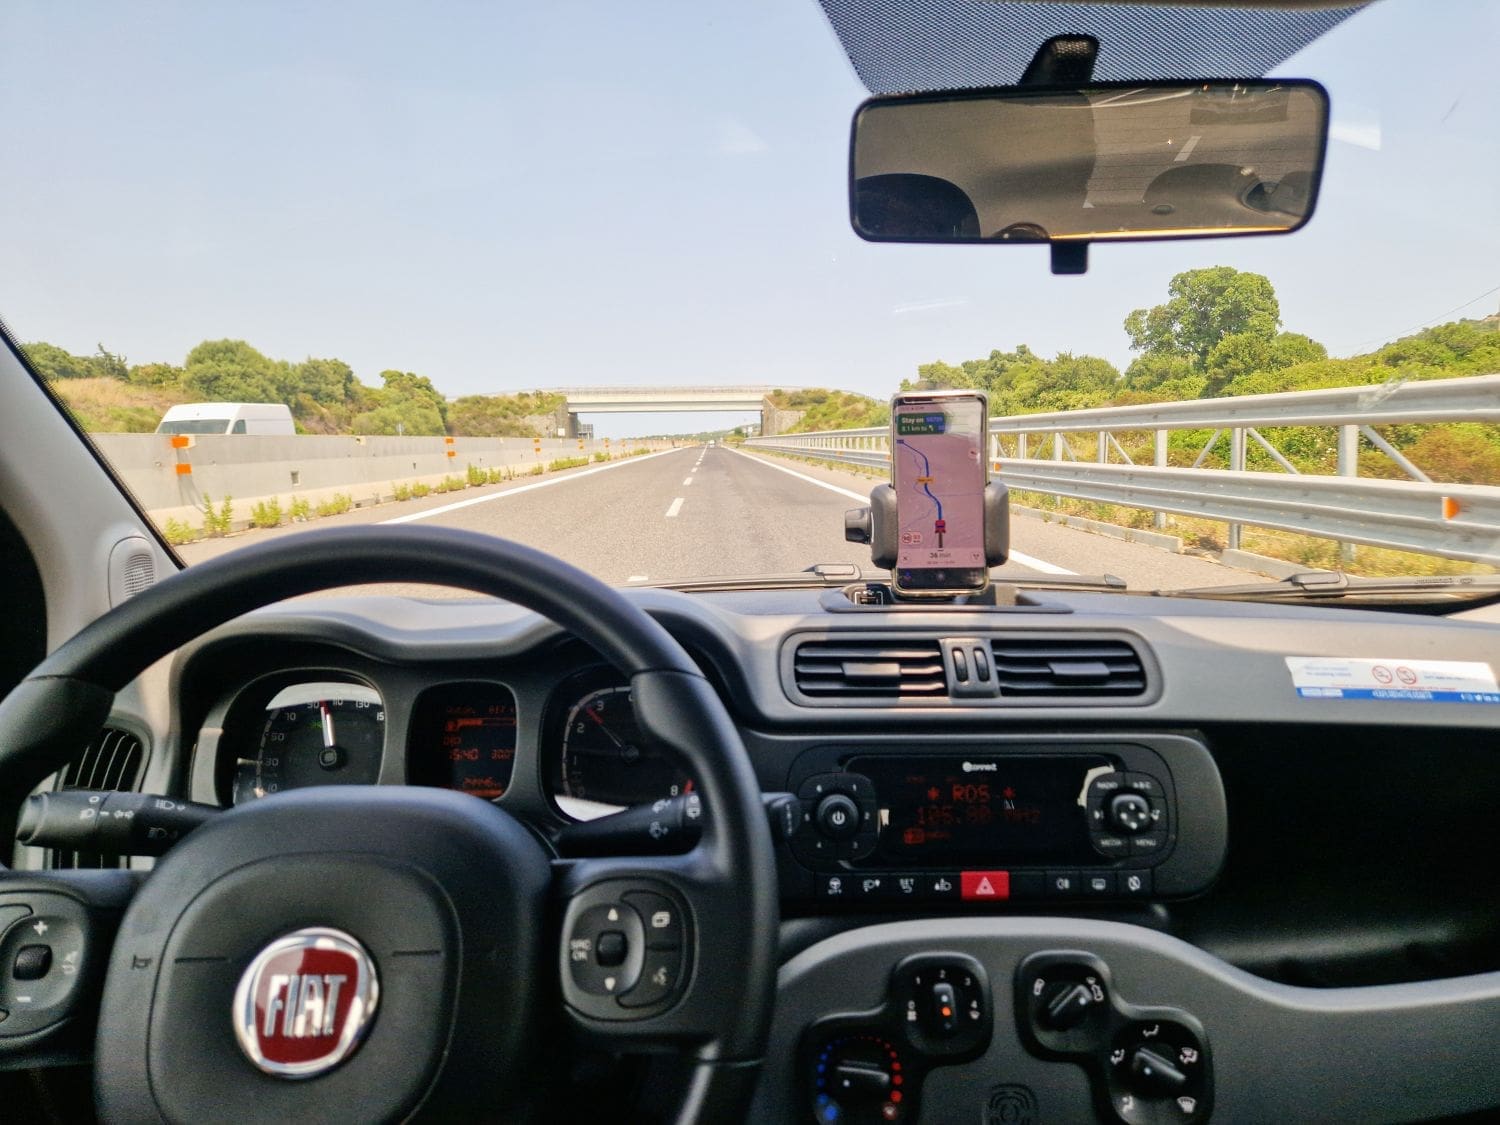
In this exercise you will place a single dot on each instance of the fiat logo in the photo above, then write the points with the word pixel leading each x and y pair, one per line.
pixel 305 1002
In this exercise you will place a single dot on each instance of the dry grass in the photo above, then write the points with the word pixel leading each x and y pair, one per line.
pixel 109 406
pixel 1208 537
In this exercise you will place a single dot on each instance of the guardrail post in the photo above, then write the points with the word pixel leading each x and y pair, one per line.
pixel 1057 442
pixel 1103 447
pixel 1021 452
pixel 1348 467
pixel 1159 459
pixel 1237 465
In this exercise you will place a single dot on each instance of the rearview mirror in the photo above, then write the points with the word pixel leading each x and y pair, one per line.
pixel 1109 161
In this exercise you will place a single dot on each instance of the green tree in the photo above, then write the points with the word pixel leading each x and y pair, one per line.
pixel 53 363
pixel 1244 353
pixel 232 371
pixel 408 403
pixel 325 381
pixel 1204 306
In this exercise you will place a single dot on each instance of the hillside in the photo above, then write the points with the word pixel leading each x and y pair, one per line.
pixel 825 409
pixel 108 395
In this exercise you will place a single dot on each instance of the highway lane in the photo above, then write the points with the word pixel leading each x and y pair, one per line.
pixel 714 511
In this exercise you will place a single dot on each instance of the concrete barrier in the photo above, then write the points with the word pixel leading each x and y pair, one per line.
pixel 171 480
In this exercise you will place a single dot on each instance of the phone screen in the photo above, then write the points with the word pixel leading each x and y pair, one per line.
pixel 939 472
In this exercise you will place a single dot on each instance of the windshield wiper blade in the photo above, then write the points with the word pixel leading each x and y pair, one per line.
pixel 1319 584
pixel 814 577
pixel 825 575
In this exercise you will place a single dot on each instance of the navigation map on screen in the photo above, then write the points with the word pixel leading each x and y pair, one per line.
pixel 939 480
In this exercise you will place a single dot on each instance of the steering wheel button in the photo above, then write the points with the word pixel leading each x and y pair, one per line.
pixel 659 979
pixel 32 962
pixel 660 917
pixel 610 949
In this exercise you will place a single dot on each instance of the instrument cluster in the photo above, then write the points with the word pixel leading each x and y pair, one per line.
pixel 295 730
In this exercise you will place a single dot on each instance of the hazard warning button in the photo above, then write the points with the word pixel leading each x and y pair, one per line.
pixel 978 886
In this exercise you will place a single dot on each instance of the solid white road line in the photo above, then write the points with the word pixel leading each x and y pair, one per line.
pixel 1015 556
pixel 525 488
pixel 675 508
pixel 688 481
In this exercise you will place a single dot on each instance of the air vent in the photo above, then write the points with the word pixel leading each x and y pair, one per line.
pixel 1060 666
pixel 112 762
pixel 852 668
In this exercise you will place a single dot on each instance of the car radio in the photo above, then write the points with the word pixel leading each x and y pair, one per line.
pixel 997 823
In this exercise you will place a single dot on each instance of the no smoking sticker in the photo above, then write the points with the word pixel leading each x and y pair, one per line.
pixel 1411 681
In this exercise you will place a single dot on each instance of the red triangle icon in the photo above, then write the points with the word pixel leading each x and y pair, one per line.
pixel 984 888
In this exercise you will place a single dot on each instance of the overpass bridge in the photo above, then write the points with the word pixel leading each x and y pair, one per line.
pixel 662 400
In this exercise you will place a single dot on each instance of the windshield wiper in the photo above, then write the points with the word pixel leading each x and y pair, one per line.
pixel 825 575
pixel 1319 585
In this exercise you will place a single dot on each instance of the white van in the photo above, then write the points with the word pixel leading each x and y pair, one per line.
pixel 228 418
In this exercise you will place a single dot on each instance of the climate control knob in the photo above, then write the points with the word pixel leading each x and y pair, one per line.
pixel 837 817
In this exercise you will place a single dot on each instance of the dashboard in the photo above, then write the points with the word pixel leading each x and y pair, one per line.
pixel 1123 805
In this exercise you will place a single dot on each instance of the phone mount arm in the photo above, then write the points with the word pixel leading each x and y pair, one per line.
pixel 877 525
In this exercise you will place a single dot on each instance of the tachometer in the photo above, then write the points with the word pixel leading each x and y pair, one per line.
pixel 607 762
pixel 314 734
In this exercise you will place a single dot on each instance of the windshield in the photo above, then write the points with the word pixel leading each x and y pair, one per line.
pixel 584 276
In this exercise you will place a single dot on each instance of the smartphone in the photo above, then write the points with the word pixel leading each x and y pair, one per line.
pixel 939 467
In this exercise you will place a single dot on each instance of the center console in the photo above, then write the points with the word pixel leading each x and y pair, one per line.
pixel 972 823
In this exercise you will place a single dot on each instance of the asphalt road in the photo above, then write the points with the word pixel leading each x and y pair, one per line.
pixel 700 511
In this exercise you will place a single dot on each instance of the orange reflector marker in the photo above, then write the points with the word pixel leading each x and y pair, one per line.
pixel 452 452
pixel 448 440
pixel 183 470
pixel 182 441
pixel 1451 507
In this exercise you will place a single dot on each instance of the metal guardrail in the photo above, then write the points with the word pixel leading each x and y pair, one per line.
pixel 1451 520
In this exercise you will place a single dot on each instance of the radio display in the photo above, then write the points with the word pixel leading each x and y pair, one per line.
pixel 980 810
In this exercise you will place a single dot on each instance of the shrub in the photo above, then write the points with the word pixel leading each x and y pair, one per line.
pixel 336 505
pixel 266 513
pixel 420 488
pixel 401 492
pixel 177 533
pixel 301 510
pixel 537 470
pixel 566 463
pixel 216 523
pixel 476 476
pixel 601 456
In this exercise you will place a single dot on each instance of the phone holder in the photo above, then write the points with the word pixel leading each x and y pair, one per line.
pixel 877 526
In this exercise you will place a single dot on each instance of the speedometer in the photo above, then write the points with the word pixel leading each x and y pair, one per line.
pixel 313 734
pixel 607 762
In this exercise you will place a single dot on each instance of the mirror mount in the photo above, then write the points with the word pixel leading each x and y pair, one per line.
pixel 1069 257
pixel 1064 60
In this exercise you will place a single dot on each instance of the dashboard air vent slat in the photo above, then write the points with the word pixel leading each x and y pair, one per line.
pixel 112 761
pixel 853 669
pixel 1059 667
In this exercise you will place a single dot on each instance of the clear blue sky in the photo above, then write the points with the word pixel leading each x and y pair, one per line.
pixel 629 193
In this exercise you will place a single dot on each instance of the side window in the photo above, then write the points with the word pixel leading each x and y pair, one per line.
pixel 239 427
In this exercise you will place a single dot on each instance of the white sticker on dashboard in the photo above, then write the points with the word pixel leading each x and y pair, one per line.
pixel 1404 681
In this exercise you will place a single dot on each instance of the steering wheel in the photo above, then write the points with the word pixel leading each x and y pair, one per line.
pixel 367 953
